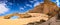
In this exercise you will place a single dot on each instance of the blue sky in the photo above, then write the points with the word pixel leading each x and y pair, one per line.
pixel 19 6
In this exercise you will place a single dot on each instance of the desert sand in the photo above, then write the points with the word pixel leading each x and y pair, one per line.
pixel 23 21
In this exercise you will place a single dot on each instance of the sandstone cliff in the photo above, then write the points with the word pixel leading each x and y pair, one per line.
pixel 48 7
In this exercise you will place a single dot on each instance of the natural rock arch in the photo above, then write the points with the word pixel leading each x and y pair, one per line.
pixel 19 15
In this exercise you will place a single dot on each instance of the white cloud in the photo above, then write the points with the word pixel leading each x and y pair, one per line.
pixel 37 3
pixel 21 8
pixel 32 1
pixel 24 6
pixel 10 3
pixel 58 3
pixel 3 9
pixel 29 5
pixel 35 0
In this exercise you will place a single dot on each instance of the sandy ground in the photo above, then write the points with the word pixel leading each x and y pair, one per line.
pixel 21 21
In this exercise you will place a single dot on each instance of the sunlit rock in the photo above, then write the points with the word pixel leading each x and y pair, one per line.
pixel 48 7
pixel 35 17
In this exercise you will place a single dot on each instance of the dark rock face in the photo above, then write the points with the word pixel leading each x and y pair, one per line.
pixel 36 23
pixel 50 9
pixel 52 21
pixel 58 14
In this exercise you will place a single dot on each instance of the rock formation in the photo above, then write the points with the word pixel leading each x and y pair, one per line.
pixel 58 14
pixel 35 17
pixel 16 14
pixel 39 13
pixel 47 7
pixel 27 15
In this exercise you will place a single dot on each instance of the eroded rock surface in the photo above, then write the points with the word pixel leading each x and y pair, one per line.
pixel 47 7
pixel 23 21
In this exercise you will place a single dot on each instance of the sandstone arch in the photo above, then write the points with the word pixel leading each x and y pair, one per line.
pixel 28 15
pixel 16 14
pixel 24 21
